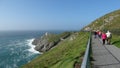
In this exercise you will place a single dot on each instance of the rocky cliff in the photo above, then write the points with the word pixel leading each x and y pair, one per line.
pixel 47 41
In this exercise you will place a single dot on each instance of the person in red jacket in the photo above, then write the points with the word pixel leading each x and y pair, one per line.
pixel 104 37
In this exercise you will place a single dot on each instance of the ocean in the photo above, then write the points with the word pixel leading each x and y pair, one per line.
pixel 16 47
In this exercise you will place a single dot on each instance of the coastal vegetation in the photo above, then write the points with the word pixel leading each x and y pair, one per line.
pixel 56 37
pixel 64 55
pixel 49 40
pixel 116 40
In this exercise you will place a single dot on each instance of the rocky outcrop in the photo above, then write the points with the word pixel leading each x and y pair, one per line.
pixel 47 41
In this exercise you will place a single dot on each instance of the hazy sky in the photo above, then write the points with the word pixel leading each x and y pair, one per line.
pixel 52 14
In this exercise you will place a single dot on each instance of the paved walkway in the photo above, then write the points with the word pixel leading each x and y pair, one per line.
pixel 105 56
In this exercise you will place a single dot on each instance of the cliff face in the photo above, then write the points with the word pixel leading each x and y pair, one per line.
pixel 47 41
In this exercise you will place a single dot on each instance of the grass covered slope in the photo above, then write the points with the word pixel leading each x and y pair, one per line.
pixel 110 21
pixel 64 55
pixel 56 37
pixel 116 40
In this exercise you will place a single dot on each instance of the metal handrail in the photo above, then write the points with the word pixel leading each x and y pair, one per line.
pixel 86 59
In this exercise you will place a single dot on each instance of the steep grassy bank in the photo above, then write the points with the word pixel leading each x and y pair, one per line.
pixel 116 40
pixel 111 22
pixel 64 55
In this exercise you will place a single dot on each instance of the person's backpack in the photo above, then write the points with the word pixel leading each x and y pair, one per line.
pixel 110 35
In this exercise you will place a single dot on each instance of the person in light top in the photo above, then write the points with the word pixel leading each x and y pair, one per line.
pixel 109 36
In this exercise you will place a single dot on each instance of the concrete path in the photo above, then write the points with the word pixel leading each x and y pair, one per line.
pixel 105 56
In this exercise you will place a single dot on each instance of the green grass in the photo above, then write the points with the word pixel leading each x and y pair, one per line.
pixel 116 40
pixel 56 37
pixel 64 55
pixel 115 22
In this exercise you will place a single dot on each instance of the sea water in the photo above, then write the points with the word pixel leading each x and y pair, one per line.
pixel 16 47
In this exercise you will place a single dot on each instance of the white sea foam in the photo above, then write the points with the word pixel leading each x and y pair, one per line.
pixel 32 46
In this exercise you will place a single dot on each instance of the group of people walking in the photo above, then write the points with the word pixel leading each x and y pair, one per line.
pixel 104 36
